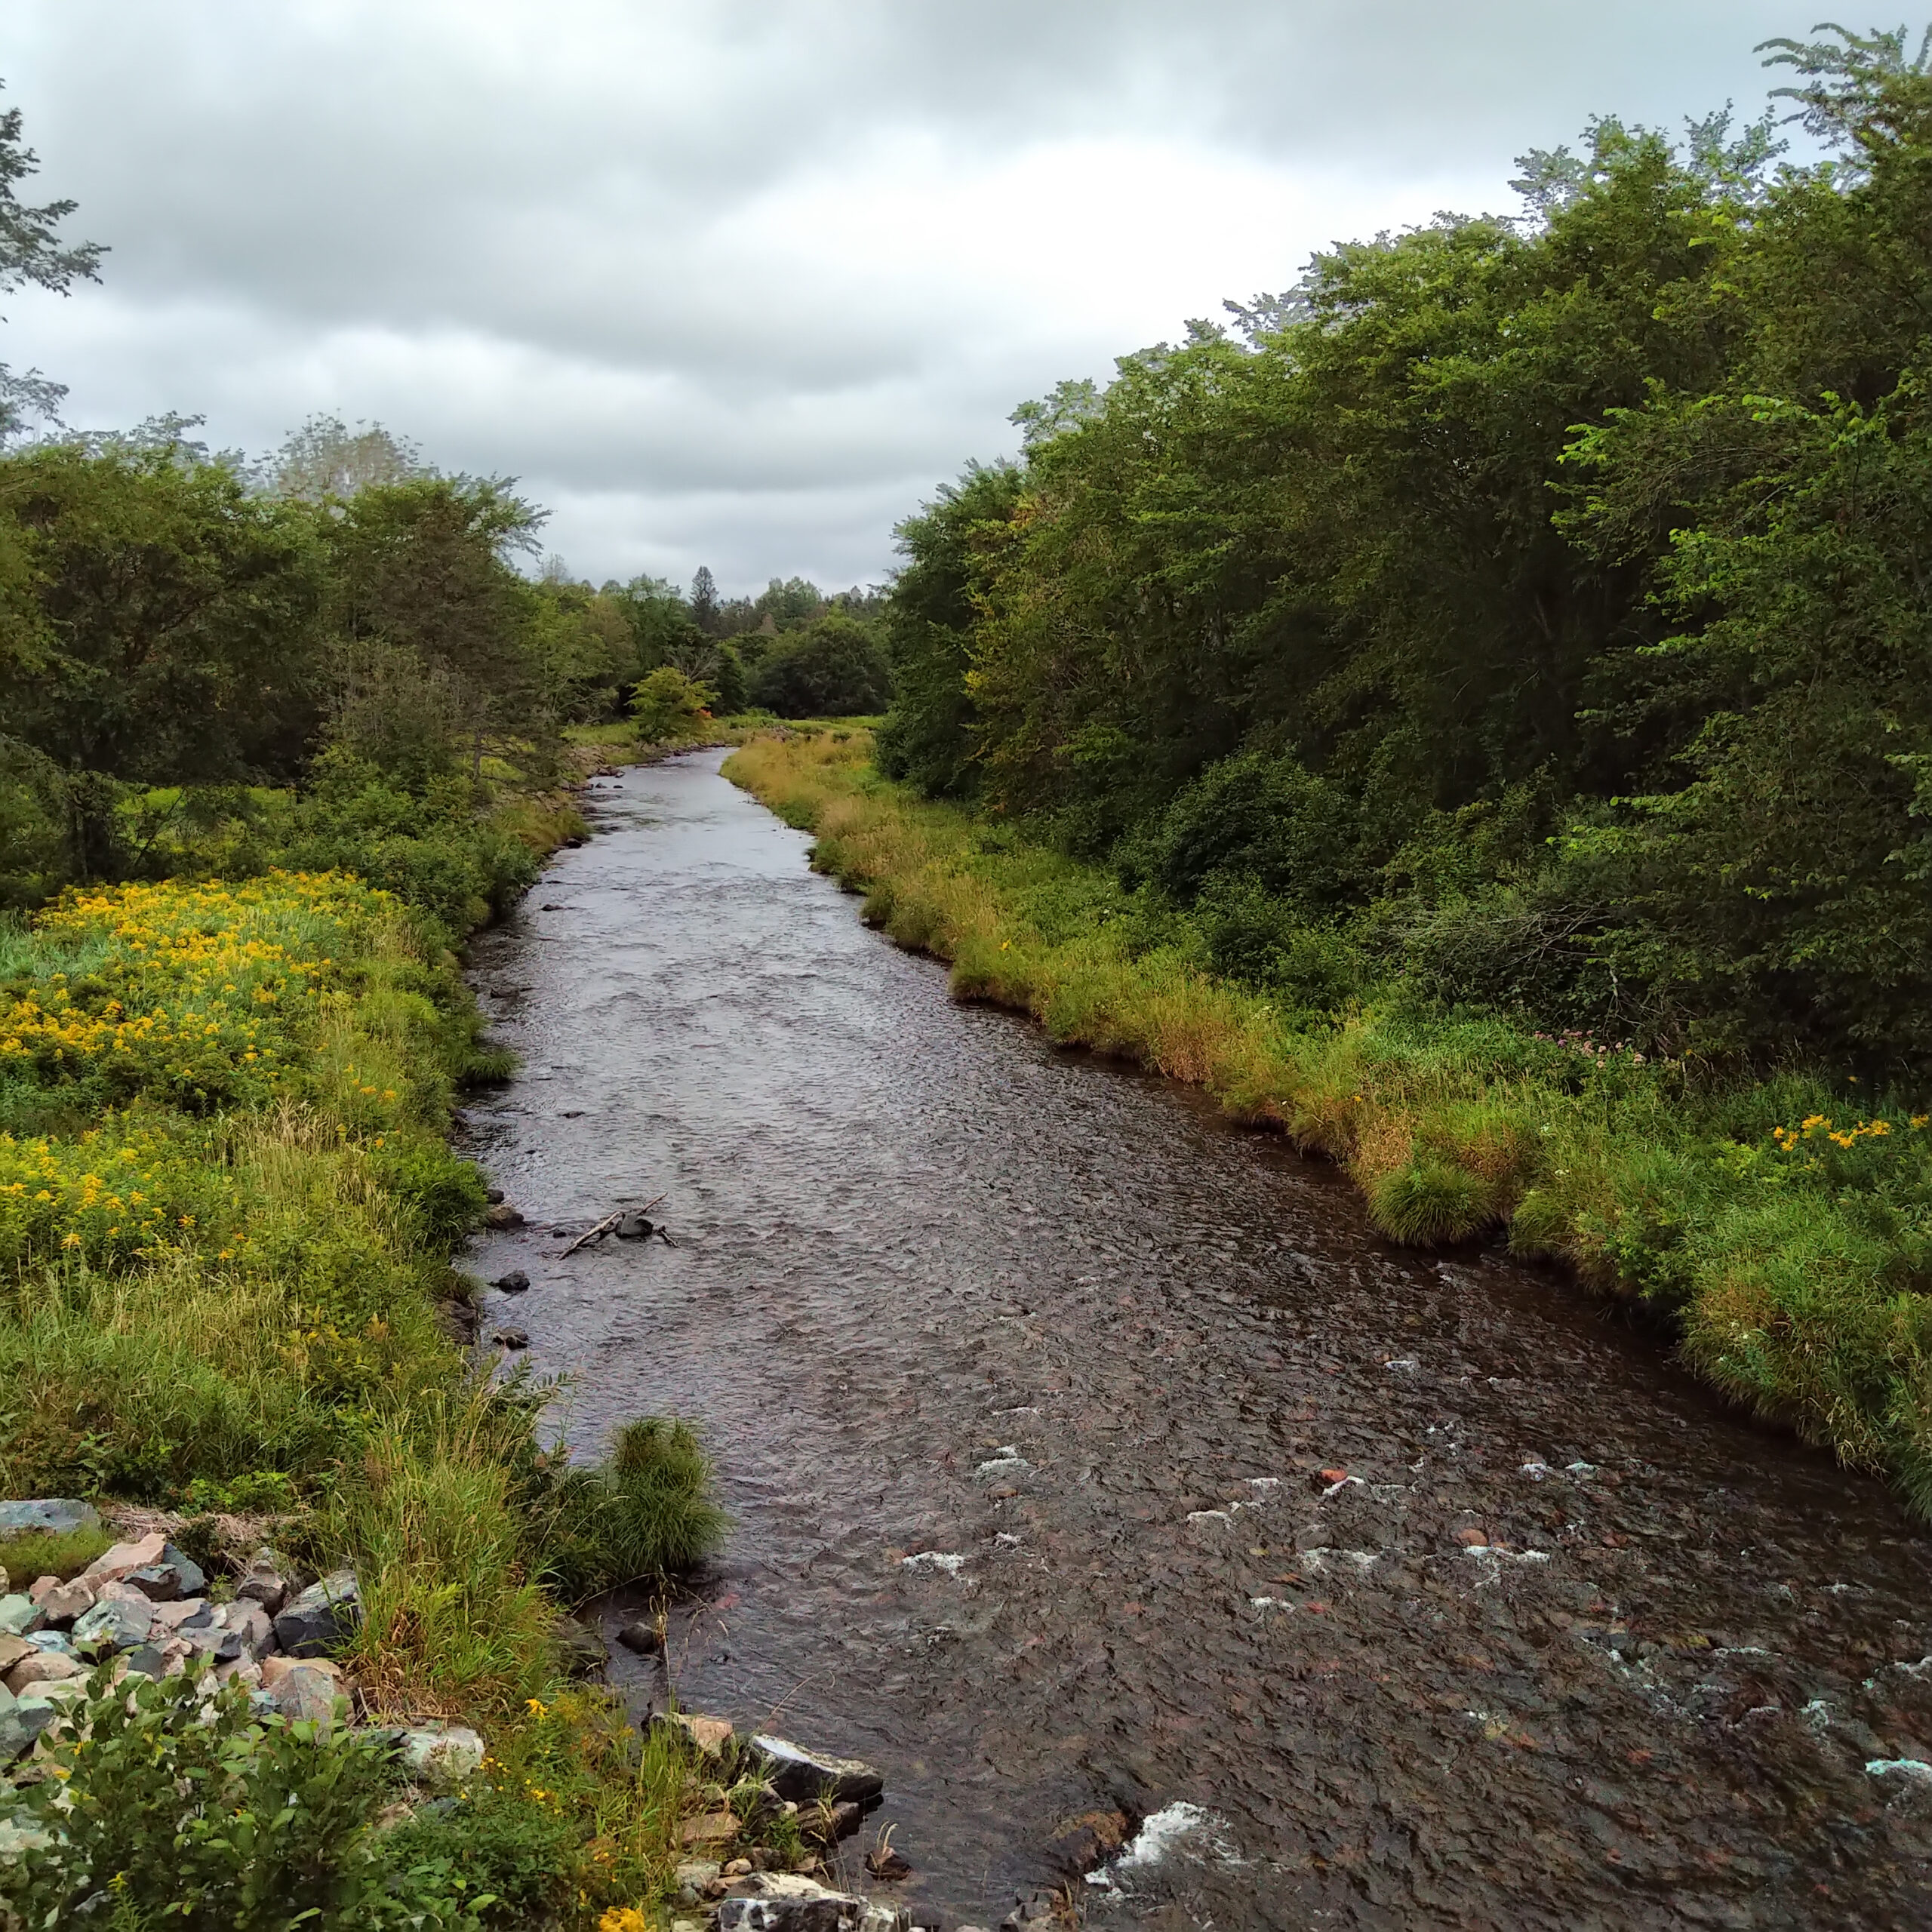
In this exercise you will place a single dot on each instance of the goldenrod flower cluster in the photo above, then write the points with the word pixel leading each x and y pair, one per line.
pixel 190 992
pixel 116 1192
pixel 1790 1139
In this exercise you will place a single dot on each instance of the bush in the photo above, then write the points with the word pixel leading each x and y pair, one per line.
pixel 1258 816
pixel 669 707
pixel 644 1513
pixel 832 668
pixel 170 1803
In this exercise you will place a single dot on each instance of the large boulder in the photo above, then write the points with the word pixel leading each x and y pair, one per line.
pixel 54 1515
pixel 805 1777
pixel 323 1617
pixel 114 1565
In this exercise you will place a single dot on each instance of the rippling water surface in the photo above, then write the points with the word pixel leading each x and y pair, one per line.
pixel 1022 1372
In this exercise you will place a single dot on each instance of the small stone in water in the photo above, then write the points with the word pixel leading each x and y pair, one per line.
pixel 514 1283
pixel 511 1338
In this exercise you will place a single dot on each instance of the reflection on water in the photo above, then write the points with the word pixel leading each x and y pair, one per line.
pixel 1085 1451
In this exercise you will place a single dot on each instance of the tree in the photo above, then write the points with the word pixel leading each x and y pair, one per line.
pixel 704 600
pixel 32 253
pixel 831 669
pixel 668 706
pixel 326 459
pixel 171 626
pixel 422 589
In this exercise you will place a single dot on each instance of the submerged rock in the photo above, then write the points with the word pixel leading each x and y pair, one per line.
pixel 515 1283
pixel 501 1215
pixel 511 1338
pixel 642 1636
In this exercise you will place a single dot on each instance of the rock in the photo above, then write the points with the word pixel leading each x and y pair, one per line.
pixel 47 1640
pixel 804 1775
pixel 511 1338
pixel 114 1565
pixel 54 1515
pixel 250 1623
pixel 583 1650
pixel 493 1195
pixel 43 1667
pixel 18 1615
pixel 1472 1539
pixel 823 1826
pixel 12 1649
pixel 501 1215
pixel 21 1726
pixel 116 1622
pixel 635 1227
pixel 783 1902
pixel 321 1617
pixel 305 1692
pixel 1083 1842
pixel 18 1839
pixel 245 1670
pixel 708 1736
pixel 264 1583
pixel 1039 1916
pixel 644 1637
pixel 63 1603
pixel 712 1827
pixel 276 1669
pixel 515 1282
pixel 441 1753
pixel 176 1576
pixel 692 1876
pixel 145 1660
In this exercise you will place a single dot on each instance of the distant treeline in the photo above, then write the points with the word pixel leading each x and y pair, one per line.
pixel 1531 612
pixel 342 627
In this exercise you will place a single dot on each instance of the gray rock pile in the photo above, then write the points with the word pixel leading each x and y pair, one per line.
pixel 144 1604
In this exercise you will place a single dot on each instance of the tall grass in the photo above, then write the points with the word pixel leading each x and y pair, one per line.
pixel 1783 1229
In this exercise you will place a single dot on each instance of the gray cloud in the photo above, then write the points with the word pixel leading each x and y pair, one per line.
pixel 738 282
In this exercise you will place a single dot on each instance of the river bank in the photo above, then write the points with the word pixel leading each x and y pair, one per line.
pixel 1780 1228
pixel 228 1212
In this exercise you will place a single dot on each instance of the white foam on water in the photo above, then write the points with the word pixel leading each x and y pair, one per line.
pixel 1162 1833
pixel 933 1559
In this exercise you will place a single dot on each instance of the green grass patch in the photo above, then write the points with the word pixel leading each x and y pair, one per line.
pixel 62 1553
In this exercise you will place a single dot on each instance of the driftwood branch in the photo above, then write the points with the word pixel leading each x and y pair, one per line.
pixel 609 1226
pixel 589 1235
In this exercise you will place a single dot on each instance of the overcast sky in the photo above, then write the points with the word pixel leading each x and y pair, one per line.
pixel 738 282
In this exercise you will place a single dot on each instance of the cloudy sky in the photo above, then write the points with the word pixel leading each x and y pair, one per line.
pixel 737 281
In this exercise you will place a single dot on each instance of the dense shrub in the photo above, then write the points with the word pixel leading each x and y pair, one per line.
pixel 832 668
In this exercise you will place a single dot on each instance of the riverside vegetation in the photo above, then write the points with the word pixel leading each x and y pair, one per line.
pixel 273 737
pixel 1473 714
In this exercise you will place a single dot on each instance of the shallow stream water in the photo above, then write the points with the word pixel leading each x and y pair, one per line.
pixel 1021 1371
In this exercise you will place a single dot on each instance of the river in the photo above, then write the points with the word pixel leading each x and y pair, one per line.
pixel 1021 1371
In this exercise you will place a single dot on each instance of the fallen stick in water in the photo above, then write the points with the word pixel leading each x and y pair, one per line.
pixel 609 1225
